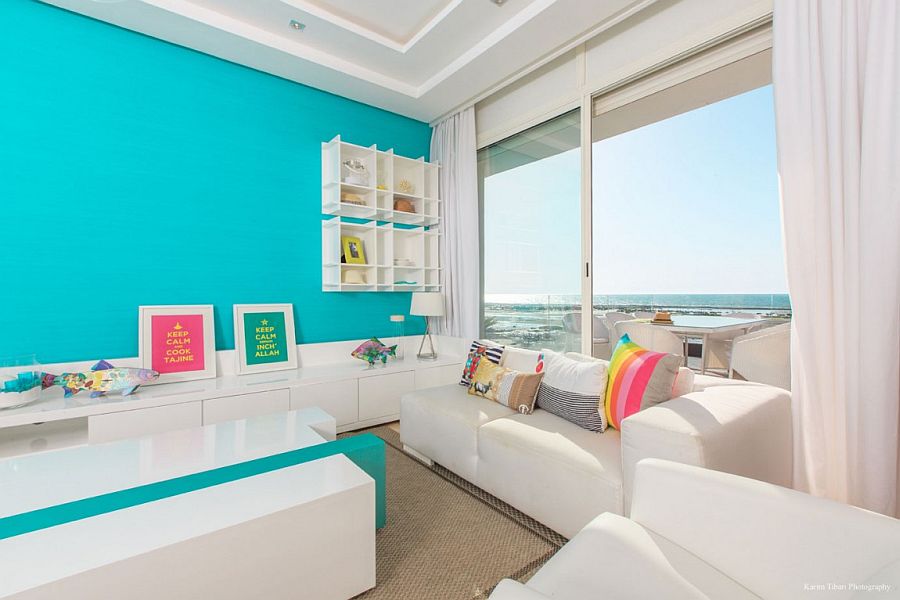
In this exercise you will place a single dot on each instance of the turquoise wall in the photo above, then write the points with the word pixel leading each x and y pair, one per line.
pixel 133 171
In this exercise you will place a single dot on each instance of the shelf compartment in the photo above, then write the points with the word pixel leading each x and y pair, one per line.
pixel 430 250
pixel 350 210
pixel 408 196
pixel 334 272
pixel 411 171
pixel 385 276
pixel 409 244
pixel 385 245
pixel 335 152
pixel 335 200
pixel 384 170
pixel 409 277
pixel 432 277
pixel 408 218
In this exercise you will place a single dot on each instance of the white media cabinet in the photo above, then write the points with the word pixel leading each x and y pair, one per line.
pixel 355 395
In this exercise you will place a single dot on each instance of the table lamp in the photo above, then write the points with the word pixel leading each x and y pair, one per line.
pixel 427 304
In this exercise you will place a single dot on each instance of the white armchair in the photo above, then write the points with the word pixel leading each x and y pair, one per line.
pixel 612 317
pixel 572 328
pixel 718 346
pixel 600 335
pixel 700 534
pixel 651 337
pixel 602 338
pixel 763 356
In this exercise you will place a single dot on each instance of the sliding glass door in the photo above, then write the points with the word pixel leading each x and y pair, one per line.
pixel 685 205
pixel 530 188
pixel 679 213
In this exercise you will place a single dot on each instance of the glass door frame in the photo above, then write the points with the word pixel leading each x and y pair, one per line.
pixel 587 220
pixel 752 37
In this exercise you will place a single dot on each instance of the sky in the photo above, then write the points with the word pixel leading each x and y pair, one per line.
pixel 686 205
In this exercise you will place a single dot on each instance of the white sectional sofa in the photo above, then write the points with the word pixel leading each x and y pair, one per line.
pixel 696 534
pixel 564 476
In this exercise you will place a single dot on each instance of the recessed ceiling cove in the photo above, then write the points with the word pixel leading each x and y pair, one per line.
pixel 420 58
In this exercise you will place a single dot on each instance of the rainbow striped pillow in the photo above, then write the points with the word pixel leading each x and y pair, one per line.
pixel 638 379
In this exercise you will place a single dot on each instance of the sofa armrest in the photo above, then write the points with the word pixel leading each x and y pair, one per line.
pixel 740 429
pixel 509 589
pixel 772 540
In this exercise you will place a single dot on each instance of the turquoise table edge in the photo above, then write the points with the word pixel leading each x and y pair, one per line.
pixel 365 450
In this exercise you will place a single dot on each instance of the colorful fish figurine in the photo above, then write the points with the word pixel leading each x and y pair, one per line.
pixel 102 378
pixel 373 350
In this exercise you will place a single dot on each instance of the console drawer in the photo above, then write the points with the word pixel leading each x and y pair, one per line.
pixel 338 398
pixel 143 421
pixel 379 396
pixel 230 408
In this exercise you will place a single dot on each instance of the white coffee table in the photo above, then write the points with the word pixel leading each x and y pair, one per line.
pixel 302 531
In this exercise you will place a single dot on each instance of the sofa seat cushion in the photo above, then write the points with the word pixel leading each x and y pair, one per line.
pixel 613 557
pixel 442 423
pixel 705 382
pixel 551 469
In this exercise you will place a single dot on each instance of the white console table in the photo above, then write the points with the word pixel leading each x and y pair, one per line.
pixel 357 397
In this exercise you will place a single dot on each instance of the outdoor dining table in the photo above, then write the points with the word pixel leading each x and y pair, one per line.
pixel 702 326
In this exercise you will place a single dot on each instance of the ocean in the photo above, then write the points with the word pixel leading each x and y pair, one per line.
pixel 533 321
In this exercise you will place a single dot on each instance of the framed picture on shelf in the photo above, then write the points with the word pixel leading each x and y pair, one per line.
pixel 264 338
pixel 177 341
pixel 354 253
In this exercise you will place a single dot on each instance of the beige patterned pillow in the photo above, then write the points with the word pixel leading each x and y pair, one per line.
pixel 511 388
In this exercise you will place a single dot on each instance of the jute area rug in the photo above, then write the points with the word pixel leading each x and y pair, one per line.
pixel 446 538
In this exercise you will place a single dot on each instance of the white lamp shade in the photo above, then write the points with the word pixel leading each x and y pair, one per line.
pixel 427 304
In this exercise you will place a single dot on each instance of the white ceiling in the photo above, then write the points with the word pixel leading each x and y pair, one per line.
pixel 420 58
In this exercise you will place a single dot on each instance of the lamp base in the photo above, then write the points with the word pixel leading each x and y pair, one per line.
pixel 426 348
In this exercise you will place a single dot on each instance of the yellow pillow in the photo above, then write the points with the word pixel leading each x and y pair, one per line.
pixel 514 389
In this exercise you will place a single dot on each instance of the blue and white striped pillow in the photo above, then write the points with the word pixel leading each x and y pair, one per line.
pixel 477 351
pixel 574 390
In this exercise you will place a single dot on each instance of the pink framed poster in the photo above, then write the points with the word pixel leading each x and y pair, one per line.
pixel 178 342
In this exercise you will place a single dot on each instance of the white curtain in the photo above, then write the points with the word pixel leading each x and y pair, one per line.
pixel 453 145
pixel 836 78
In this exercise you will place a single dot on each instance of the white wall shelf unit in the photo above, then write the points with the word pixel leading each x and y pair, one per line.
pixel 399 258
pixel 397 197
pixel 389 180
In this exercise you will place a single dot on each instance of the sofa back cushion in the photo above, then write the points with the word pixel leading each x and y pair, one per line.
pixel 684 381
pixel 508 387
pixel 574 390
pixel 478 350
pixel 520 359
pixel 638 379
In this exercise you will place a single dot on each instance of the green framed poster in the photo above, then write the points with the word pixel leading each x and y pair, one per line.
pixel 264 337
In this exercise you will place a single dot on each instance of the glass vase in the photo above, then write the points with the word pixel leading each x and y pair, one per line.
pixel 20 381
pixel 399 322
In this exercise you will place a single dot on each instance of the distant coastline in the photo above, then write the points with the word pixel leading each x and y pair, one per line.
pixel 712 301
pixel 536 321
